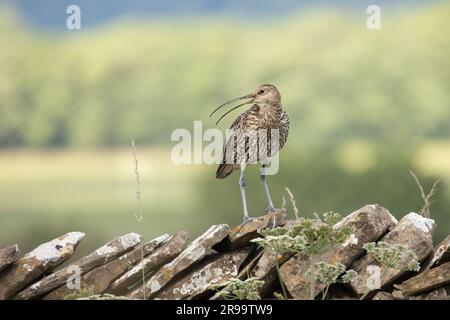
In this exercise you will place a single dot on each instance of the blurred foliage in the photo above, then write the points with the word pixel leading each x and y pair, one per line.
pixel 46 193
pixel 339 80
pixel 365 107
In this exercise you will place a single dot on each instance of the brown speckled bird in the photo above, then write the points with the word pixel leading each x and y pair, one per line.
pixel 256 136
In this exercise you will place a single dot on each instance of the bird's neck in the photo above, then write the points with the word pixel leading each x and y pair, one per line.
pixel 272 108
pixel 270 113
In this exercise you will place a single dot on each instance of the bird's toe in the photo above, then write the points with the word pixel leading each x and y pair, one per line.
pixel 248 219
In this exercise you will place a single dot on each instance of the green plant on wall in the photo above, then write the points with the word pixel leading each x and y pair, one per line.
pixel 236 289
pixel 391 256
pixel 309 237
pixel 328 274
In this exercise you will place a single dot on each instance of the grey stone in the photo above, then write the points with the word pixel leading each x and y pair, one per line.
pixel 170 249
pixel 241 235
pixel 99 279
pixel 427 280
pixel 370 223
pixel 34 264
pixel 8 256
pixel 413 231
pixel 216 270
pixel 192 254
pixel 102 255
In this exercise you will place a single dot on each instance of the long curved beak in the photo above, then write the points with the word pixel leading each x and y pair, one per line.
pixel 249 96
pixel 231 101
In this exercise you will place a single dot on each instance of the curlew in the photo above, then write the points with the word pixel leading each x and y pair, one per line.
pixel 256 136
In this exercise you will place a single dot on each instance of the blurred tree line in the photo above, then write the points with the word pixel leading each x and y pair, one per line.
pixel 338 79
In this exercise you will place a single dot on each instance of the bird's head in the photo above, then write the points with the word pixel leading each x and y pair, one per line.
pixel 263 94
pixel 266 93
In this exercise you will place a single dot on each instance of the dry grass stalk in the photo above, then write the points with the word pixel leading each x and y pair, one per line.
pixel 425 211
pixel 294 205
pixel 283 204
pixel 139 215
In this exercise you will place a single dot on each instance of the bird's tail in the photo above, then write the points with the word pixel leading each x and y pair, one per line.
pixel 224 170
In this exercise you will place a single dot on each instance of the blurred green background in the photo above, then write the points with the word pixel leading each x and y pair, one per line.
pixel 365 107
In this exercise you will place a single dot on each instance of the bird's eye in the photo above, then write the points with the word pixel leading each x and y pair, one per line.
pixel 262 91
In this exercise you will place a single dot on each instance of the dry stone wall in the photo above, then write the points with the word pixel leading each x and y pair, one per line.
pixel 172 267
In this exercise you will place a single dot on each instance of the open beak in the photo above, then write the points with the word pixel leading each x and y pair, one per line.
pixel 249 96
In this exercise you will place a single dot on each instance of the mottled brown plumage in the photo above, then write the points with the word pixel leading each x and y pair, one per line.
pixel 256 136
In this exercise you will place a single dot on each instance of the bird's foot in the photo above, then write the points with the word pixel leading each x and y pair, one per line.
pixel 248 219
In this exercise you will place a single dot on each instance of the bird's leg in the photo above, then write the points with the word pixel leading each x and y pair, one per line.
pixel 266 188
pixel 244 198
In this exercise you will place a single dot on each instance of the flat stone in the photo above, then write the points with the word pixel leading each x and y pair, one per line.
pixel 265 269
pixel 99 279
pixel 413 231
pixel 437 294
pixel 245 271
pixel 267 263
pixel 170 249
pixel 398 294
pixel 8 256
pixel 34 264
pixel 216 270
pixel 102 255
pixel 383 295
pixel 241 235
pixel 192 254
pixel 427 280
pixel 441 254
pixel 370 223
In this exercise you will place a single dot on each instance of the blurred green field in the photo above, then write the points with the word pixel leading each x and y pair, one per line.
pixel 46 193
